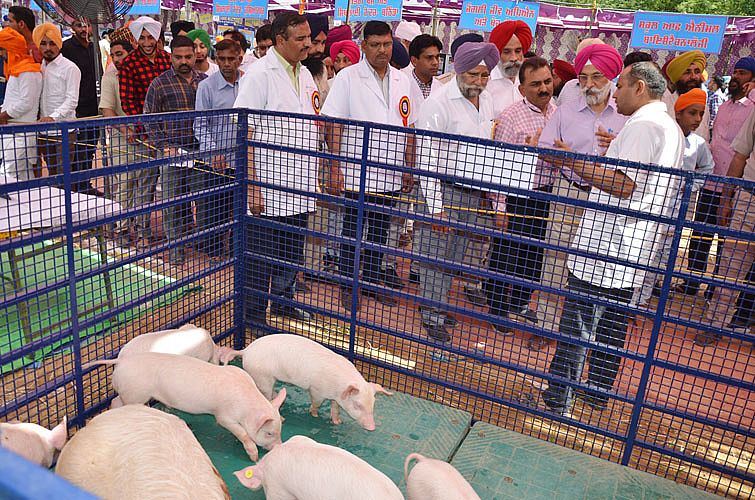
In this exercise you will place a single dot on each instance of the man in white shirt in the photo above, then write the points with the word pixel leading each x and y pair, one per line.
pixel 373 91
pixel 60 94
pixel 462 107
pixel 513 39
pixel 21 105
pixel 279 82
pixel 599 314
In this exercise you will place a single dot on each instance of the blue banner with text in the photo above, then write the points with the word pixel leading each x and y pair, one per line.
pixel 254 9
pixel 482 15
pixel 368 10
pixel 678 32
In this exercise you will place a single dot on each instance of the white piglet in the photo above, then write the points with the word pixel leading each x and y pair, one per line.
pixel 136 452
pixel 34 442
pixel 432 479
pixel 305 363
pixel 304 469
pixel 189 340
pixel 193 386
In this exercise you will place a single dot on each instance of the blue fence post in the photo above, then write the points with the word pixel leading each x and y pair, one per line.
pixel 71 260
pixel 660 313
pixel 358 239
pixel 239 227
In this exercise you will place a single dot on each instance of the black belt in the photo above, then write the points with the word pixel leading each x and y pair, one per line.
pixel 749 189
pixel 584 189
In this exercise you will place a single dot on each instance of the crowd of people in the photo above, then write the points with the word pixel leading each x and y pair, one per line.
pixel 622 107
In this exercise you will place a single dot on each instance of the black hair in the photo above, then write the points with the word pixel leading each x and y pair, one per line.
pixel 181 41
pixel 123 43
pixel 376 28
pixel 635 57
pixel 239 37
pixel 226 44
pixel 532 64
pixel 283 21
pixel 264 32
pixel 178 26
pixel 21 13
pixel 422 42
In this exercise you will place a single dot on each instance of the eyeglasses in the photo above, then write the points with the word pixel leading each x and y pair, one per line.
pixel 595 77
pixel 477 76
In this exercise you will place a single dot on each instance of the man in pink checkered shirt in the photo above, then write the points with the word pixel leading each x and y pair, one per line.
pixel 521 123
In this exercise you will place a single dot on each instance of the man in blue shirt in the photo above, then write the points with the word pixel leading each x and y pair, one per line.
pixel 215 135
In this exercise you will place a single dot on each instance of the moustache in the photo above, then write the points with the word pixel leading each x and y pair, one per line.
pixel 543 94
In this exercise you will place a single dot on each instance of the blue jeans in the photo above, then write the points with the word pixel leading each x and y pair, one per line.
pixel 597 323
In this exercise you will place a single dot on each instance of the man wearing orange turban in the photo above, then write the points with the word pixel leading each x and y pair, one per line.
pixel 685 72
pixel 512 39
pixel 21 105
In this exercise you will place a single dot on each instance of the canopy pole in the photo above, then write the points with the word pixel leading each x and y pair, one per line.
pixel 348 10
pixel 434 26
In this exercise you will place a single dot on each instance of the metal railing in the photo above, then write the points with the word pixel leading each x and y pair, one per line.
pixel 659 384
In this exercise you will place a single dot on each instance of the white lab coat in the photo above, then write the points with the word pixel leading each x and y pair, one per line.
pixel 357 95
pixel 268 87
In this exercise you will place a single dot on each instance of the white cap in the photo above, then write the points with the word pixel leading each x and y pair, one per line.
pixel 407 30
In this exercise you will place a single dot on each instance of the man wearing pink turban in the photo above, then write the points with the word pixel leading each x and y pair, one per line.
pixel 344 54
pixel 584 123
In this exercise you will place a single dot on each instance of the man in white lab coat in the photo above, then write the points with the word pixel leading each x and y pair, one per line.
pixel 279 82
pixel 370 91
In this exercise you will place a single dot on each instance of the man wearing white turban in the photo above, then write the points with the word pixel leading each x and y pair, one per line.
pixel 463 108
pixel 135 75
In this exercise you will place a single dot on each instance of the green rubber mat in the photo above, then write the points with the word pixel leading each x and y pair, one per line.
pixel 502 464
pixel 405 424
pixel 50 312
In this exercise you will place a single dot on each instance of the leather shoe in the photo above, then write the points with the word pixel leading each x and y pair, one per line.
pixel 448 320
pixel 503 330
pixel 381 297
pixel 345 297
pixel 437 332
pixel 536 343
pixel 706 339
pixel 290 312
pixel 529 316
pixel 391 279
pixel 475 296
pixel 414 277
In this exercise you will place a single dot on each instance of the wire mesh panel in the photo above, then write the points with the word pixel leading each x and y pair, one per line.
pixel 611 316
pixel 446 268
pixel 89 261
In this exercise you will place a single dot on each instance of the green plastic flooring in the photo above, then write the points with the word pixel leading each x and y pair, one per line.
pixel 129 282
pixel 405 424
pixel 498 463
pixel 502 464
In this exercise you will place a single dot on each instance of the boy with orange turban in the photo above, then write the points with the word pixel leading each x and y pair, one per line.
pixel 21 105
pixel 689 110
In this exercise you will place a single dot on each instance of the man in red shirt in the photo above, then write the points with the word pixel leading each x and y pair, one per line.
pixel 135 75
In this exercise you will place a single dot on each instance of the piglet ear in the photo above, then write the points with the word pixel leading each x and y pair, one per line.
pixel 250 477
pixel 59 434
pixel 350 392
pixel 278 400
pixel 379 389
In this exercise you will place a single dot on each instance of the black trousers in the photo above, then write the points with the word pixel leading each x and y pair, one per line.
pixel 283 244
pixel 83 154
pixel 518 259
pixel 378 224
pixel 706 212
